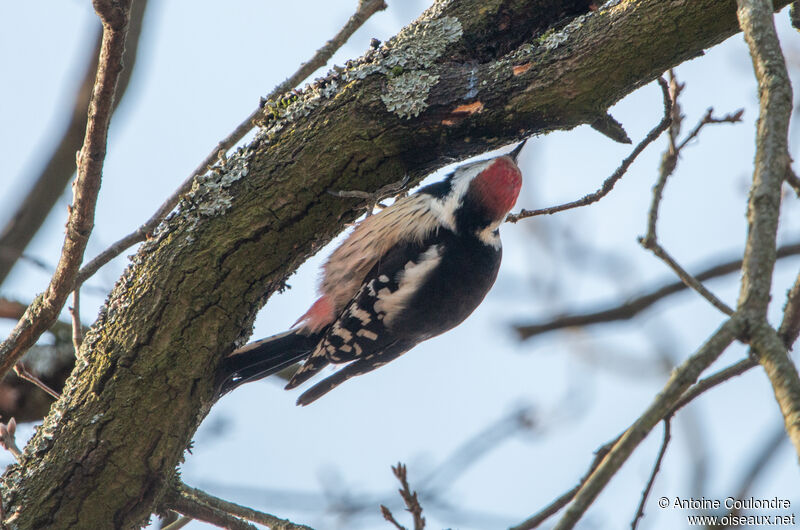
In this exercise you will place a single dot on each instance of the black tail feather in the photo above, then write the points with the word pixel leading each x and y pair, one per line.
pixel 262 358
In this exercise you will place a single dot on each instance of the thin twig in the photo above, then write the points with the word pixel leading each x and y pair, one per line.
pixel 653 474
pixel 409 497
pixel 23 373
pixel 609 183
pixel 44 310
pixel 59 163
pixel 387 514
pixel 669 161
pixel 200 505
pixel 77 328
pixel 682 378
pixel 688 279
pixel 792 180
pixel 713 380
pixel 365 10
pixel 551 509
pixel 790 325
pixel 690 394
pixel 178 523
pixel 708 118
pixel 635 305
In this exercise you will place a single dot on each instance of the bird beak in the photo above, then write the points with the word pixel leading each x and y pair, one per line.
pixel 515 153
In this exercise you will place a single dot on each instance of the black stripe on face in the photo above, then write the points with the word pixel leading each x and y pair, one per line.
pixel 439 190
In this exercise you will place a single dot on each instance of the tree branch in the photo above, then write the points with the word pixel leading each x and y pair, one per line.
pixel 682 378
pixel 366 9
pixel 790 325
pixel 647 298
pixel 60 165
pixel 44 310
pixel 200 505
pixel 609 183
pixel 772 161
pixel 656 467
pixel 669 162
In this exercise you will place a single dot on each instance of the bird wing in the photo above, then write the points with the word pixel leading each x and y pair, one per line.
pixel 410 221
pixel 363 333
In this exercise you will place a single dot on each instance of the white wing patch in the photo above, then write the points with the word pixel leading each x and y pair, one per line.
pixel 408 280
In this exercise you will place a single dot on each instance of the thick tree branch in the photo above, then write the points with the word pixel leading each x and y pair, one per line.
pixel 772 161
pixel 366 9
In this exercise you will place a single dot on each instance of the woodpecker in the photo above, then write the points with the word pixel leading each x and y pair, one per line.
pixel 412 271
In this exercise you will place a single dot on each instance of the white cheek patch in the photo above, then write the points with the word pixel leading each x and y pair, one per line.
pixel 409 280
pixel 490 236
pixel 445 208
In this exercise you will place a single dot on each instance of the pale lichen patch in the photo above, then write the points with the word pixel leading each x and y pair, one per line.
pixel 557 38
pixel 420 44
pixel 406 94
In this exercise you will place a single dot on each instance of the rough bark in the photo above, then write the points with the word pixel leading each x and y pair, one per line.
pixel 466 77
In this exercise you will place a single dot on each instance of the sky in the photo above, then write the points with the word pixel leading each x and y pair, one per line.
pixel 202 68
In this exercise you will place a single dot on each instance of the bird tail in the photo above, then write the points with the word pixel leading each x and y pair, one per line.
pixel 262 358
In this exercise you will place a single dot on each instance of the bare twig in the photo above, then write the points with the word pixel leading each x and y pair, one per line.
pixel 641 302
pixel 374 199
pixel 59 167
pixel 669 161
pixel 44 310
pixel 366 8
pixel 713 380
pixel 681 379
pixel 8 439
pixel 77 329
pixel 792 179
pixel 22 371
pixel 656 467
pixel 708 118
pixel 387 514
pixel 409 497
pixel 178 523
pixel 790 326
pixel 609 183
pixel 692 282
pixel 690 394
pixel 200 505
pixel 551 509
